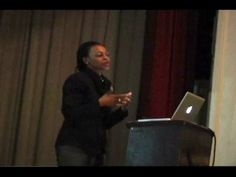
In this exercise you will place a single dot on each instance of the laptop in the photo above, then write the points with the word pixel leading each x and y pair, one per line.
pixel 187 109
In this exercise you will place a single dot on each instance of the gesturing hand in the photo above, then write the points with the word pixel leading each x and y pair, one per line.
pixel 125 99
pixel 109 99
pixel 115 100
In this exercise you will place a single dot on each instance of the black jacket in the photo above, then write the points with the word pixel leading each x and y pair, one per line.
pixel 85 122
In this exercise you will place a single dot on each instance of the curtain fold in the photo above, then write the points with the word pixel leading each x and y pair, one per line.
pixel 127 74
pixel 13 53
pixel 37 53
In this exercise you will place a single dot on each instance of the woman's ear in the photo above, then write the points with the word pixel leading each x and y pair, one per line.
pixel 85 60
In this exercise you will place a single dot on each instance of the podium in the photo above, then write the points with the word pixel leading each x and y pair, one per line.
pixel 168 143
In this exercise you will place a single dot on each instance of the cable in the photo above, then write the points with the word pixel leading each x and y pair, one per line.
pixel 214 152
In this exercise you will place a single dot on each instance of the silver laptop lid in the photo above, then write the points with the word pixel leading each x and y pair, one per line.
pixel 188 108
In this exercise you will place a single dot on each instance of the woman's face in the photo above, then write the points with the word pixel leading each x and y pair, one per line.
pixel 98 59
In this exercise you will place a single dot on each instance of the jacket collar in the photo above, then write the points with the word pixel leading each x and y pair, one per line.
pixel 102 84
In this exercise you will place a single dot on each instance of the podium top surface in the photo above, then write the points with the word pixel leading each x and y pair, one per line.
pixel 168 123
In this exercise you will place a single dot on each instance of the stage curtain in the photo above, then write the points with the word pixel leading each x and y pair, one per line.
pixel 37 53
pixel 168 61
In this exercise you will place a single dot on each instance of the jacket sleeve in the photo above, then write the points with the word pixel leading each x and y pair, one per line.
pixel 115 117
pixel 75 104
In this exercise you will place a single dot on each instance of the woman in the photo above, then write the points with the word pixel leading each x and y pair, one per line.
pixel 89 107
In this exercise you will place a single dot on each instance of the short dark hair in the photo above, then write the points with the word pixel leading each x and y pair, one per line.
pixel 83 51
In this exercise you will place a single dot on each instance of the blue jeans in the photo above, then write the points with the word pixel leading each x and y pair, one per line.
pixel 72 156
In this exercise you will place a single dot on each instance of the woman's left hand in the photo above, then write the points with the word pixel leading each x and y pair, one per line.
pixel 124 100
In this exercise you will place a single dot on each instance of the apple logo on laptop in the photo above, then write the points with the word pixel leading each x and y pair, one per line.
pixel 189 109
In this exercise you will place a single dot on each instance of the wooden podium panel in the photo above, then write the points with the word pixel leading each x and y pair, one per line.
pixel 168 143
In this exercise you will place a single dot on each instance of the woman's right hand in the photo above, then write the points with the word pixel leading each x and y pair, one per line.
pixel 109 99
pixel 115 100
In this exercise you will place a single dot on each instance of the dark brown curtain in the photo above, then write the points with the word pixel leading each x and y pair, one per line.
pixel 168 61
